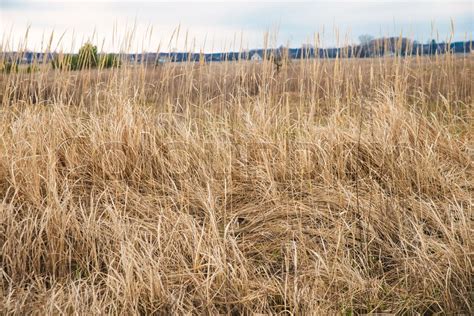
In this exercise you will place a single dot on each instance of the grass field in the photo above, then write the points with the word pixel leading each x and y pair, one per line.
pixel 330 187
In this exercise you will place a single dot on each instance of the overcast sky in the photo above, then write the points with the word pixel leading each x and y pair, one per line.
pixel 224 25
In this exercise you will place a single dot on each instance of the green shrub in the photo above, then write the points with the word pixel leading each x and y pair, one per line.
pixel 65 62
pixel 9 67
pixel 87 58
pixel 109 61
pixel 32 68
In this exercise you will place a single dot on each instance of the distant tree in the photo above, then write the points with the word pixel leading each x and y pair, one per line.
pixel 280 57
pixel 9 67
pixel 365 50
pixel 32 68
pixel 65 62
pixel 433 46
pixel 88 57
pixel 109 61
pixel 365 39
pixel 307 50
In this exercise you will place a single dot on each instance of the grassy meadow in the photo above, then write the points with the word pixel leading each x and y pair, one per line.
pixel 330 186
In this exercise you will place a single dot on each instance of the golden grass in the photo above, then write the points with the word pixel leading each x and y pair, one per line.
pixel 333 186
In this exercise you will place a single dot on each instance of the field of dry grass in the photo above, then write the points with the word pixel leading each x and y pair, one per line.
pixel 331 186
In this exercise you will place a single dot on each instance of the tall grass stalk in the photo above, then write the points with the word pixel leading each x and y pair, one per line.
pixel 331 186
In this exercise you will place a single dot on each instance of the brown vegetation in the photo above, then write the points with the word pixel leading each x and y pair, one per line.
pixel 330 186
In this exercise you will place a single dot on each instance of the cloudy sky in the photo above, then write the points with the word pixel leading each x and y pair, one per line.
pixel 224 25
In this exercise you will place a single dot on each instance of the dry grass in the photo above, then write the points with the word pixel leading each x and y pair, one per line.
pixel 341 186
